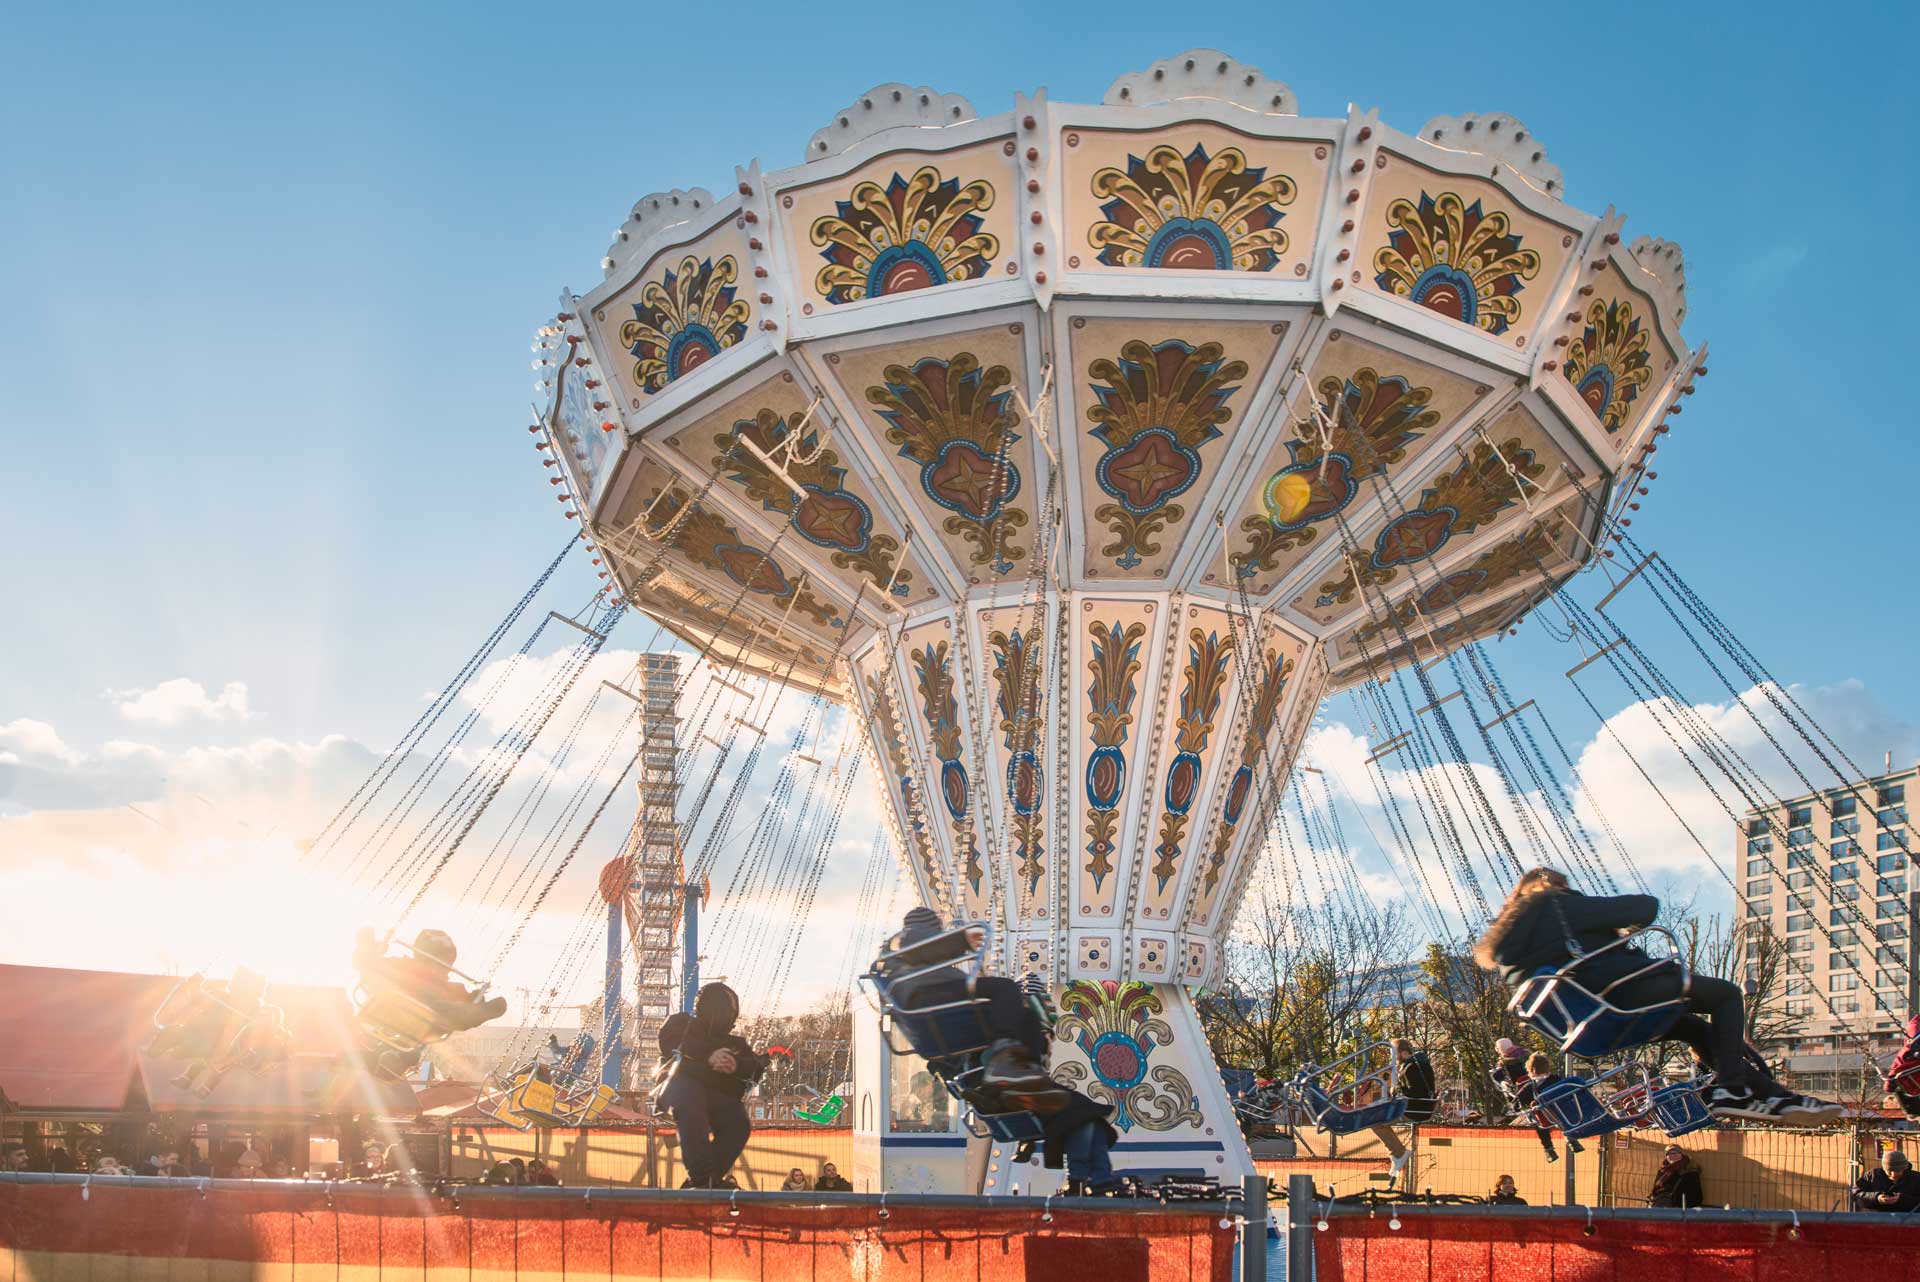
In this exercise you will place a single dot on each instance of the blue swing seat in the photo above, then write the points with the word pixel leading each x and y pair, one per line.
pixel 1680 1110
pixel 952 1037
pixel 1555 1002
pixel 1320 1101
pixel 1574 1105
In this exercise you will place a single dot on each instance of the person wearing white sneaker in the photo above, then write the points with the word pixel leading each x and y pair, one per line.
pixel 1546 923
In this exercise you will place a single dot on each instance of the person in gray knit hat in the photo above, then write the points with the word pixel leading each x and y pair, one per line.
pixel 1016 1062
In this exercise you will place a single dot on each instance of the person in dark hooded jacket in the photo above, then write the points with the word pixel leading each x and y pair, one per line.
pixel 714 1069
pixel 1545 920
pixel 1015 1061
pixel 1677 1182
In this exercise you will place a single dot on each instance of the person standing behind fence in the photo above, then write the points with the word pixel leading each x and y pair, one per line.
pixel 1892 1186
pixel 1506 1193
pixel 1677 1182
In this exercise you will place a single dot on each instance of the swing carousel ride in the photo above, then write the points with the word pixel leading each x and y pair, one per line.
pixel 1082 451
pixel 1059 464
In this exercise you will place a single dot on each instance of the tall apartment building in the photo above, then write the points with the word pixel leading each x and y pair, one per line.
pixel 1845 909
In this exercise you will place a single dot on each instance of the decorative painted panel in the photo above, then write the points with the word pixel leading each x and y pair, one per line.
pixel 1258 764
pixel 1021 665
pixel 1384 411
pixel 1461 248
pixel 1196 692
pixel 839 515
pixel 932 700
pixel 1154 406
pixel 689 305
pixel 1618 359
pixel 1196 197
pixel 578 412
pixel 1115 643
pixel 950 422
pixel 1491 479
pixel 907 221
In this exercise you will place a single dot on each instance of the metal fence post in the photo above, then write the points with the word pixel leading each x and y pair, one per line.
pixel 1573 1186
pixel 1253 1229
pixel 1299 1228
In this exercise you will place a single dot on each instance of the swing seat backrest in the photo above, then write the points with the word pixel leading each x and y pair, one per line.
pixel 951 1031
pixel 1009 1128
pixel 1583 1024
pixel 398 1021
pixel 1680 1110
pixel 1334 1120
pixel 1570 1105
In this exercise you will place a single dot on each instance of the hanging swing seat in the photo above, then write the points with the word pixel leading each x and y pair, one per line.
pixel 215 1027
pixel 396 1017
pixel 1347 1096
pixel 953 1037
pixel 827 1114
pixel 1590 1020
pixel 551 1098
pixel 1680 1108
pixel 1583 1108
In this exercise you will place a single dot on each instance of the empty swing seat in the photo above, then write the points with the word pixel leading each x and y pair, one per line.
pixel 1680 1110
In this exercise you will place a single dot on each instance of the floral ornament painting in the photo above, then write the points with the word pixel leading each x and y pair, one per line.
pixel 684 320
pixel 914 233
pixel 1117 1026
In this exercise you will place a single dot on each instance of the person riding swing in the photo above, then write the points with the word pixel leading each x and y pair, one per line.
pixel 1015 1059
pixel 1547 924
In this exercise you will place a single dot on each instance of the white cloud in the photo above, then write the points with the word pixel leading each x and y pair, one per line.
pixel 28 740
pixel 182 699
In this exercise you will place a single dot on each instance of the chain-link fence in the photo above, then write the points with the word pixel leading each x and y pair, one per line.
pixel 649 1157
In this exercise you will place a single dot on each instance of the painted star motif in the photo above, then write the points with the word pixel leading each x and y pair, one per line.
pixel 841 521
pixel 1144 475
pixel 969 475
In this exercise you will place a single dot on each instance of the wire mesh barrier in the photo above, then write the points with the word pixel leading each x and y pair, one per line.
pixel 1755 1168
pixel 69 1229
pixel 649 1157
pixel 1573 1244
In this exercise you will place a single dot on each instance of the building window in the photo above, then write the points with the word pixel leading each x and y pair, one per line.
pixel 1843 983
pixel 1845 805
pixel 1891 979
pixel 1842 938
pixel 1890 956
pixel 1891 794
pixel 1842 961
pixel 1761 909
pixel 1800 903
pixel 1800 815
pixel 1891 816
pixel 1838 917
pixel 1844 849
pixel 1799 880
pixel 1846 872
pixel 1802 943
pixel 1759 845
pixel 1846 1005
pixel 1799 1008
pixel 1891 885
pixel 1846 894
pixel 1887 930
pixel 1891 863
pixel 1758 868
pixel 1799 859
pixel 1797 837
pixel 1893 840
pixel 1758 889
pixel 1889 909
pixel 1799 987
pixel 1844 827
pixel 1755 827
pixel 1799 922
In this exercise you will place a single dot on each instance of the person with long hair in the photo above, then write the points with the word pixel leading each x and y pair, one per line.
pixel 1545 923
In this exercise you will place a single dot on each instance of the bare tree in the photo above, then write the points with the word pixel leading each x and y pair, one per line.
pixel 1303 987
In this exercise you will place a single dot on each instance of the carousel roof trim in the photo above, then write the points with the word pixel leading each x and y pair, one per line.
pixel 1203 73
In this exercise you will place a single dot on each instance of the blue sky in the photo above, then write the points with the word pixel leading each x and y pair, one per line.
pixel 267 282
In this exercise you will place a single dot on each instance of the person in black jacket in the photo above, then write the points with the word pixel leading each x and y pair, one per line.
pixel 1416 1080
pixel 1892 1186
pixel 1511 1076
pixel 1545 920
pixel 1677 1182
pixel 831 1181
pixel 1015 1061
pixel 715 1066
pixel 1506 1193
